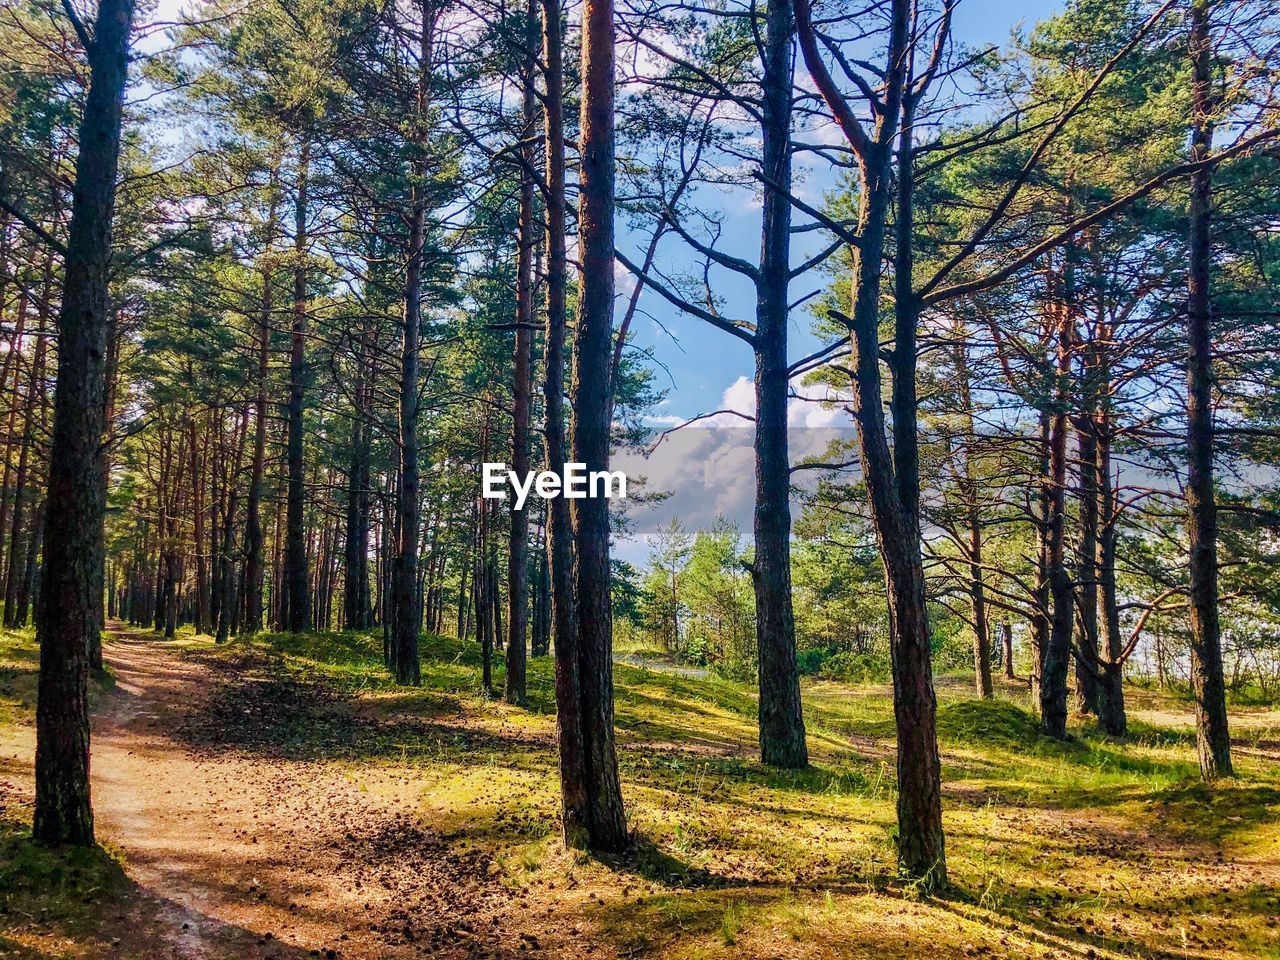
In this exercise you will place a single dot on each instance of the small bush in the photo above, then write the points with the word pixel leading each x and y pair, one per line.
pixel 828 663
pixel 699 651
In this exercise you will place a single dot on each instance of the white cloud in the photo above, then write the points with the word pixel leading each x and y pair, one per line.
pixel 709 467
pixel 741 396
pixel 624 280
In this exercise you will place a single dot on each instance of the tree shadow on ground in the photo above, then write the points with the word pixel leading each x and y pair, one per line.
pixel 55 898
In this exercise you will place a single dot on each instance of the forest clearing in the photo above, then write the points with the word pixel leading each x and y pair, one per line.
pixel 640 479
pixel 282 799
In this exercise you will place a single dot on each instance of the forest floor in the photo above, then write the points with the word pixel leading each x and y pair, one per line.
pixel 283 799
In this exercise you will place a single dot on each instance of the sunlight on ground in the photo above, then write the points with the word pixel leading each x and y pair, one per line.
pixel 1087 849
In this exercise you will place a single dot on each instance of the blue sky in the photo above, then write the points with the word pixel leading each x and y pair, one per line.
pixel 708 469
pixel 697 370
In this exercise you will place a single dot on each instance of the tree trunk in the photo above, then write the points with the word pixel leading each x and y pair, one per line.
pixel 67 622
pixel 1111 710
pixel 296 612
pixel 30 580
pixel 920 838
pixel 480 584
pixel 1088 657
pixel 19 534
pixel 522 392
pixel 1056 656
pixel 782 734
pixel 202 621
pixel 1213 741
pixel 574 814
pixel 1039 626
pixel 254 542
pixel 11 365
pixel 921 850
pixel 893 493
pixel 228 604
pixel 357 611
pixel 973 519
pixel 593 340
pixel 404 642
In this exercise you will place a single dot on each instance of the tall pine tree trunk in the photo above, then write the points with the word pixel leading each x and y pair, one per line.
pixel 296 610
pixel 17 534
pixel 254 540
pixel 574 775
pixel 973 519
pixel 522 391
pixel 1056 655
pixel 892 479
pixel 404 641
pixel 1111 710
pixel 1213 740
pixel 782 734
pixel 202 621
pixel 357 612
pixel 592 812
pixel 67 621
pixel 1088 653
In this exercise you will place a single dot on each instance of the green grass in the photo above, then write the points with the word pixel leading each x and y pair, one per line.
pixel 60 884
pixel 1087 848
pixel 1049 838
pixel 55 895
pixel 19 664
pixel 19 672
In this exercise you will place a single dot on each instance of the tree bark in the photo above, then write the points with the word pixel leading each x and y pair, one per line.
pixel 893 493
pixel 973 519
pixel 1088 653
pixel 604 817
pixel 518 542
pixel 202 621
pixel 18 534
pixel 574 814
pixel 357 610
pixel 295 614
pixel 404 641
pixel 1111 709
pixel 228 604
pixel 782 733
pixel 67 621
pixel 1056 655
pixel 1006 629
pixel 1041 617
pixel 254 542
pixel 920 838
pixel 1213 740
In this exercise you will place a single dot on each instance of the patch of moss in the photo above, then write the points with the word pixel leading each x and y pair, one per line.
pixel 56 885
pixel 996 722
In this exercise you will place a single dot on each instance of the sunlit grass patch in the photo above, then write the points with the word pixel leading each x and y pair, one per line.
pixel 1054 848
pixel 19 668
pixel 19 676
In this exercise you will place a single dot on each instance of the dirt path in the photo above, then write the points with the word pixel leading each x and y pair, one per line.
pixel 238 855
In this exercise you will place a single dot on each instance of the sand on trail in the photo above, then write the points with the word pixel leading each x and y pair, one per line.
pixel 237 854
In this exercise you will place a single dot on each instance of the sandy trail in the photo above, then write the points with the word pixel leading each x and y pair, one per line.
pixel 237 855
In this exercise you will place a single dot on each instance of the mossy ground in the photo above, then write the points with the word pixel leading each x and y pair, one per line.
pixel 68 889
pixel 1093 848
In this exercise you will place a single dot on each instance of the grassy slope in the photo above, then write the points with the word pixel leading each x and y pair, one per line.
pixel 1085 849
